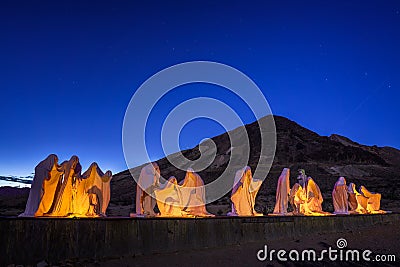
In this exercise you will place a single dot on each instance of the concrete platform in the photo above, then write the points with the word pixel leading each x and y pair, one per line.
pixel 31 240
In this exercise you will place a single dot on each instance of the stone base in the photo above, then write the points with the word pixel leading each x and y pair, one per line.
pixel 32 240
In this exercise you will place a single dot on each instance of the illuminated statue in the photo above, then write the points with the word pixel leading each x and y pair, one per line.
pixel 357 202
pixel 307 199
pixel 193 197
pixel 91 194
pixel 46 173
pixel 374 200
pixel 62 205
pixel 50 187
pixel 340 197
pixel 314 198
pixel 147 183
pixel 244 193
pixel 282 192
pixel 169 197
pixel 297 198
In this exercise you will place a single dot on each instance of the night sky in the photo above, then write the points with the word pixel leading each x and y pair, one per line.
pixel 70 68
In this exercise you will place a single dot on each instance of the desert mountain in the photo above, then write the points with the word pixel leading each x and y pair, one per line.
pixel 324 158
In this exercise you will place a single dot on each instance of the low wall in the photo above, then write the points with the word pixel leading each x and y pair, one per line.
pixel 31 240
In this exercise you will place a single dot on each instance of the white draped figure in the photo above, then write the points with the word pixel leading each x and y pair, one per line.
pixel 92 192
pixel 357 202
pixel 169 197
pixel 244 193
pixel 147 183
pixel 340 197
pixel 313 205
pixel 193 197
pixel 282 193
pixel 374 200
pixel 307 200
pixel 42 173
pixel 62 205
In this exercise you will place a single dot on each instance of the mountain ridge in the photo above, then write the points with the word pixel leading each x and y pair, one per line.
pixel 325 158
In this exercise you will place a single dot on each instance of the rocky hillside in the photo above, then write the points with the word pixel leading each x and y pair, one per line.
pixel 324 158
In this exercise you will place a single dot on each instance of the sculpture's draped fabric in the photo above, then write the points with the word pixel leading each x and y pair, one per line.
pixel 244 193
pixel 357 202
pixel 148 181
pixel 42 172
pixel 307 200
pixel 297 198
pixel 374 200
pixel 193 197
pixel 168 197
pixel 92 192
pixel 63 201
pixel 340 197
pixel 314 197
pixel 65 192
pixel 282 192
pixel 106 179
pixel 50 186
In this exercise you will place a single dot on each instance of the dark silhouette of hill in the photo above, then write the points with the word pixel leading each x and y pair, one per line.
pixel 324 158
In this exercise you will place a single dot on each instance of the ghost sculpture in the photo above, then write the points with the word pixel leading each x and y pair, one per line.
pixel 373 200
pixel 244 192
pixel 91 192
pixel 169 198
pixel 44 184
pixel 313 205
pixel 282 193
pixel 193 197
pixel 147 183
pixel 357 202
pixel 62 204
pixel 306 197
pixel 340 197
pixel 297 198
pixel 64 192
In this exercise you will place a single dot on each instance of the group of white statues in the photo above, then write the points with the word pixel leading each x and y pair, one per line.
pixel 347 200
pixel 187 198
pixel 62 191
pixel 184 199
pixel 306 198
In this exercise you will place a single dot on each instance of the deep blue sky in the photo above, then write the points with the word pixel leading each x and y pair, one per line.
pixel 69 69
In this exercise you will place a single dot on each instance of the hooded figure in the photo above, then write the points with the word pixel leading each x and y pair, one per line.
pixel 45 170
pixel 314 197
pixel 92 192
pixel 357 202
pixel 282 192
pixel 302 178
pixel 244 193
pixel 62 205
pixel 340 197
pixel 148 181
pixel 169 197
pixel 50 187
pixel 374 200
pixel 193 197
